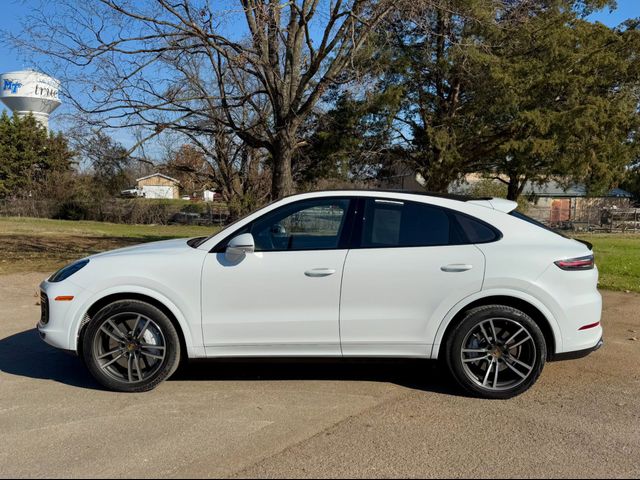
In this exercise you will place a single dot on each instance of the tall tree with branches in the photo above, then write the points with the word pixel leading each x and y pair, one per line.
pixel 166 64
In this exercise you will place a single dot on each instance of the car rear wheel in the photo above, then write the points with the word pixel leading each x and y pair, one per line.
pixel 496 352
pixel 131 346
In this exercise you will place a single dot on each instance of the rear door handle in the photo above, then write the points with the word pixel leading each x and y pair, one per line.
pixel 319 272
pixel 456 267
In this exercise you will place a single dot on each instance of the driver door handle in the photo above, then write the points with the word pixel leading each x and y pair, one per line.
pixel 456 267
pixel 319 272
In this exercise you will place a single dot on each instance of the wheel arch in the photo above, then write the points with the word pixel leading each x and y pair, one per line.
pixel 531 307
pixel 107 299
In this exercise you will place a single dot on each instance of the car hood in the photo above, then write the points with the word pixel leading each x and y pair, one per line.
pixel 162 247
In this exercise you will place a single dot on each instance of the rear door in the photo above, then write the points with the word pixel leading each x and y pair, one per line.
pixel 409 265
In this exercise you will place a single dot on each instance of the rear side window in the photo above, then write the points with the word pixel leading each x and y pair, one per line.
pixel 476 231
pixel 391 223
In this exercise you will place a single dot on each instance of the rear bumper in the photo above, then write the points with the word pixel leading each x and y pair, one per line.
pixel 578 353
pixel 576 305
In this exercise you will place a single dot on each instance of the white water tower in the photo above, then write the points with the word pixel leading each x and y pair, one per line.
pixel 28 91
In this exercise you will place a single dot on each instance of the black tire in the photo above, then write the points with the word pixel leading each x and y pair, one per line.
pixel 123 314
pixel 487 357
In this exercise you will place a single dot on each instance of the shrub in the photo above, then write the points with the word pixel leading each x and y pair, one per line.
pixel 72 210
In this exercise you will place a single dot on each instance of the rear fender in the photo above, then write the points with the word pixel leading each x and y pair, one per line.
pixel 502 292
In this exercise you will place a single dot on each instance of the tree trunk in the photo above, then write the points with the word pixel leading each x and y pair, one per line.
pixel 437 177
pixel 515 187
pixel 437 184
pixel 282 179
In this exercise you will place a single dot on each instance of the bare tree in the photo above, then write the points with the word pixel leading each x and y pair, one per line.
pixel 176 64
pixel 221 162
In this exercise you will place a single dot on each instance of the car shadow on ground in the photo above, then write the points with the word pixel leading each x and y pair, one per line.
pixel 25 355
pixel 425 375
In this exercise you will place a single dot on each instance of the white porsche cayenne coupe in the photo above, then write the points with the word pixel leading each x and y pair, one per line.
pixel 337 274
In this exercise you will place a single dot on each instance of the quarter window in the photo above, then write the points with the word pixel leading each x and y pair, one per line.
pixel 476 231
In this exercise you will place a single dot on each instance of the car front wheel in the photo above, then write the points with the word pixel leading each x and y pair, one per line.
pixel 131 346
pixel 496 352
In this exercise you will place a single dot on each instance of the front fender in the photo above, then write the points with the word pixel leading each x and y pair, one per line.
pixel 191 332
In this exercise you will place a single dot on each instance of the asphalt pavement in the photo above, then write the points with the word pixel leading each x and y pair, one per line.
pixel 314 419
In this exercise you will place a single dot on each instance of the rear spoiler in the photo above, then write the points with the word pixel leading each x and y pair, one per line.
pixel 500 204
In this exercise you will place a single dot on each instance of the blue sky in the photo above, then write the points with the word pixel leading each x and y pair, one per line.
pixel 626 9
pixel 13 11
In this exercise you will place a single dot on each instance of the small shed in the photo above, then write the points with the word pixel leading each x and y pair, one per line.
pixel 158 185
pixel 210 195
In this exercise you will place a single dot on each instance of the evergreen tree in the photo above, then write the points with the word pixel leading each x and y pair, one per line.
pixel 521 90
pixel 29 155
pixel 631 182
pixel 557 97
pixel 352 141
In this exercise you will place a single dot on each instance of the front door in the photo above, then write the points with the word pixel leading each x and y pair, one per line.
pixel 284 298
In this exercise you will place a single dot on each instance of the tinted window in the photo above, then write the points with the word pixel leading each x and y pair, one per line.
pixel 476 231
pixel 308 225
pixel 391 223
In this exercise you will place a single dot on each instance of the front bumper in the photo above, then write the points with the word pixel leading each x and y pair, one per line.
pixel 56 320
pixel 578 353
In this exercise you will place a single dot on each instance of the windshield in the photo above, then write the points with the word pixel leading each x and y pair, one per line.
pixel 196 242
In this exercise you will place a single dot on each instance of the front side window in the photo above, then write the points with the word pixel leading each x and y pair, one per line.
pixel 315 224
pixel 392 223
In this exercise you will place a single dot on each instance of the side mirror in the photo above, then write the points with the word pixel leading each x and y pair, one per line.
pixel 241 245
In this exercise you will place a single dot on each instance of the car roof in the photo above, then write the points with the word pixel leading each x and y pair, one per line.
pixel 448 196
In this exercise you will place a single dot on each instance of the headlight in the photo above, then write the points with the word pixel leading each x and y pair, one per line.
pixel 69 270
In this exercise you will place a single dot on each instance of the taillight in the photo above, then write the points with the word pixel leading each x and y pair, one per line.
pixel 579 263
pixel 591 325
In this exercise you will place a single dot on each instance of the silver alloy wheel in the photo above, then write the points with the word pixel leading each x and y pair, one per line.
pixel 498 354
pixel 129 347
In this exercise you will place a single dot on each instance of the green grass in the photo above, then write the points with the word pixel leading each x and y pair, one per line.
pixel 44 226
pixel 42 245
pixel 618 260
